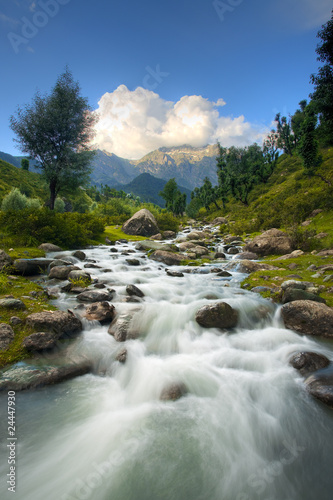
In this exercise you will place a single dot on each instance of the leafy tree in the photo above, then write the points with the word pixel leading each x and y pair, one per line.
pixel 222 174
pixel 271 154
pixel 286 140
pixel 297 121
pixel 25 164
pixel 169 194
pixel 56 130
pixel 179 203
pixel 322 96
pixel 207 194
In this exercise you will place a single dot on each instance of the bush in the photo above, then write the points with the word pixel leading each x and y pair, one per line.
pixel 14 200
pixel 59 205
pixel 69 230
pixel 167 222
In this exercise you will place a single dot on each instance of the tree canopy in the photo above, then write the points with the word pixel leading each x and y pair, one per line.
pixel 57 130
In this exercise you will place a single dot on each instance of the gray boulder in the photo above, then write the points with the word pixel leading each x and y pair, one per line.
pixel 217 315
pixel 134 290
pixel 308 317
pixel 8 303
pixel 78 274
pixel 320 386
pixel 24 376
pixel 6 336
pixel 168 235
pixel 61 272
pixel 169 258
pixel 270 242
pixel 174 391
pixel 308 362
pixel 95 296
pixel 100 311
pixel 5 260
pixel 31 267
pixel 122 328
pixel 292 294
pixel 122 356
pixel 143 223
pixel 249 266
pixel 49 247
pixel 78 254
pixel 60 323
pixel 40 341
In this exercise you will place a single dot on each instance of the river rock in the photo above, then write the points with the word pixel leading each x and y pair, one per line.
pixel 78 254
pixel 292 294
pixel 122 356
pixel 308 317
pixel 157 237
pixel 219 220
pixel 31 267
pixel 249 266
pixel 218 315
pixel 224 274
pixel 270 242
pixel 79 275
pixel 143 223
pixel 122 328
pixel 186 245
pixel 23 376
pixel 8 303
pixel 95 296
pixel 40 341
pixel 100 311
pixel 60 323
pixel 61 272
pixel 49 247
pixel 6 336
pixel 169 235
pixel 5 260
pixel 174 391
pixel 174 274
pixel 133 262
pixel 134 290
pixel 219 255
pixel 292 255
pixel 247 256
pixel 60 262
pixel 168 258
pixel 308 362
pixel 320 386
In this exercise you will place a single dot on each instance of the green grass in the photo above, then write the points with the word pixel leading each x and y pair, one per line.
pixel 20 287
pixel 275 278
pixel 115 233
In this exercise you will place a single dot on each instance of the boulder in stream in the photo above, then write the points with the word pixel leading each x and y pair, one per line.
pixel 100 311
pixel 95 296
pixel 320 386
pixel 169 258
pixel 308 362
pixel 173 391
pixel 218 315
pixel 308 317
pixel 134 290
pixel 40 341
pixel 22 376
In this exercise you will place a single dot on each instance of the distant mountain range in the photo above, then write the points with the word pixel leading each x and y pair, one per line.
pixel 188 165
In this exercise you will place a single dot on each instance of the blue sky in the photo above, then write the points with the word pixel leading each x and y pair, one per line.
pixel 163 73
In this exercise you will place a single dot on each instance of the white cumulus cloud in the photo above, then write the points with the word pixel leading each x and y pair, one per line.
pixel 134 123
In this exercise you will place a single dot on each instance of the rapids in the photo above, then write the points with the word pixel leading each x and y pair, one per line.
pixel 246 430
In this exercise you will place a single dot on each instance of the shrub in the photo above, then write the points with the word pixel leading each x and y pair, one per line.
pixel 70 230
pixel 59 205
pixel 14 200
pixel 167 222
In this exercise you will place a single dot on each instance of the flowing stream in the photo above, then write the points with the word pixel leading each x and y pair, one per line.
pixel 246 429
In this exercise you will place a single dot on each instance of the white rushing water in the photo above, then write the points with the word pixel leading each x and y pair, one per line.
pixel 246 430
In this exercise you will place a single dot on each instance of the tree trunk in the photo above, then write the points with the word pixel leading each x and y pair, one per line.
pixel 53 193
